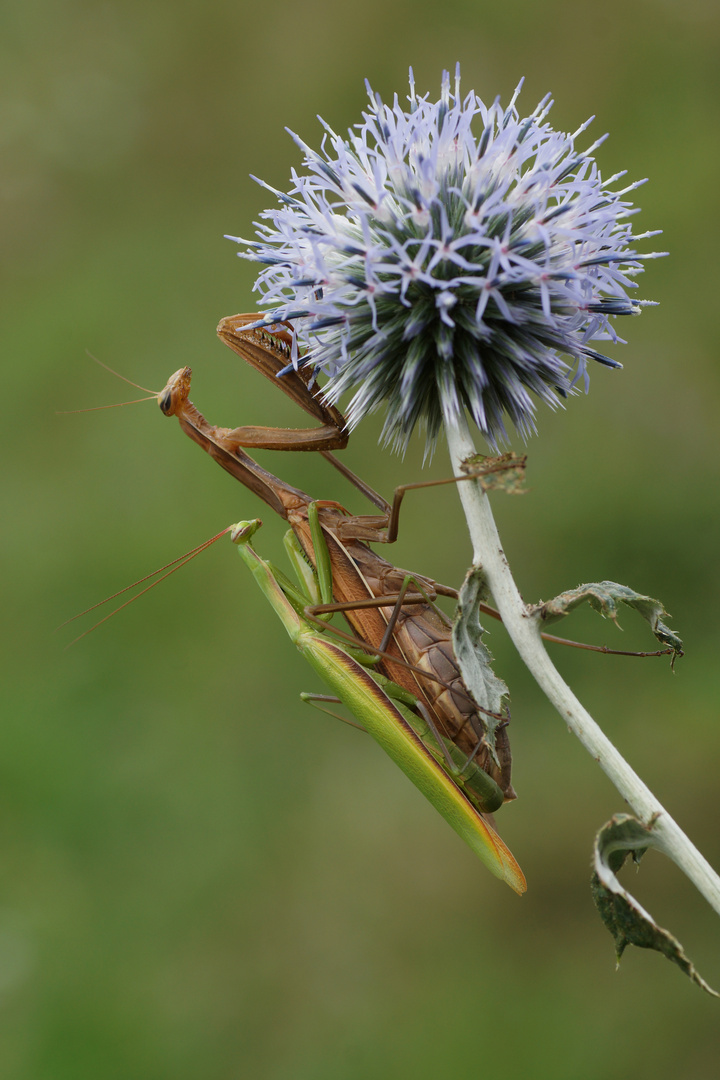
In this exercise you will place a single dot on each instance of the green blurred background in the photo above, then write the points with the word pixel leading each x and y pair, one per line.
pixel 201 877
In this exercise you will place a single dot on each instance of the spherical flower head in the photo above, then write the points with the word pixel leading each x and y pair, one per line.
pixel 452 257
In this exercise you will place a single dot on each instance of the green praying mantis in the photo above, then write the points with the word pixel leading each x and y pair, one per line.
pixel 409 696
pixel 387 713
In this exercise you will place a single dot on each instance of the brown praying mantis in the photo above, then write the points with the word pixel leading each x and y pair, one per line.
pixel 390 611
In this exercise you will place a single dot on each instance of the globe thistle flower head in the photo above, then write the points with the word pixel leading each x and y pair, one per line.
pixel 452 257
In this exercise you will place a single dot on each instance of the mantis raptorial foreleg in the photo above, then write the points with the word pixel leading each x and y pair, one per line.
pixel 268 347
pixel 269 350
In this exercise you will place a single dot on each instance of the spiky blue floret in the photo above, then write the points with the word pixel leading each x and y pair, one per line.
pixel 442 259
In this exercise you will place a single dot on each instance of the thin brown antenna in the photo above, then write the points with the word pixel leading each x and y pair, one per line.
pixel 119 376
pixel 99 408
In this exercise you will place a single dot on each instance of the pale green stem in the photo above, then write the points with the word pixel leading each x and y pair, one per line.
pixel 525 633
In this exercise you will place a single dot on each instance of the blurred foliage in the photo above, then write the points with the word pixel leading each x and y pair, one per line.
pixel 198 876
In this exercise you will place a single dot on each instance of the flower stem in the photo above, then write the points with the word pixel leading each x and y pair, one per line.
pixel 525 634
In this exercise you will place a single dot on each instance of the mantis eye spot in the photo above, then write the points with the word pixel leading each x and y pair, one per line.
pixel 166 403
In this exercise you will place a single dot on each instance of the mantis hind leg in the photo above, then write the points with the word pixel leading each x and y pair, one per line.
pixel 329 699
pixel 464 772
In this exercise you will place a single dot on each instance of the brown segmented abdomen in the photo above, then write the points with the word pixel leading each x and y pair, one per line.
pixel 455 713
pixel 422 638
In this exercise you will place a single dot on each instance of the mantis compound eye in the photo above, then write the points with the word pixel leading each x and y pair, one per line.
pixel 175 393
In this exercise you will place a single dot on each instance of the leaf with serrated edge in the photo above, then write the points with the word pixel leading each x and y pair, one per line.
pixel 623 916
pixel 604 597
